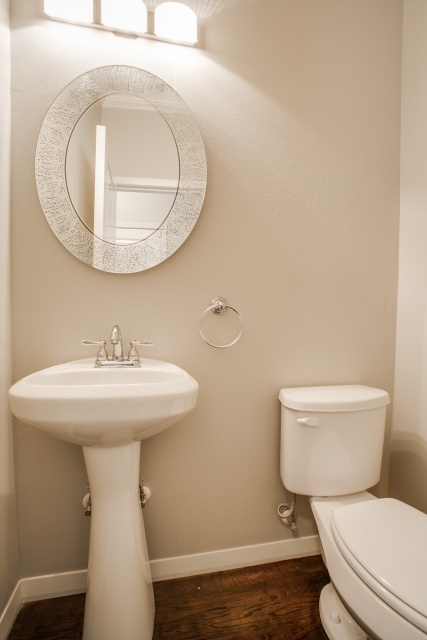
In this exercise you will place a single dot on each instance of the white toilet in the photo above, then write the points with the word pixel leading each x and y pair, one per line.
pixel 375 550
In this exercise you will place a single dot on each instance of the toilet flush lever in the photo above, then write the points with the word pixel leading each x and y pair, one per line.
pixel 310 422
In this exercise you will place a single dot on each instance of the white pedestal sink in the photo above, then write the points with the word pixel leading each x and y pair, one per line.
pixel 109 411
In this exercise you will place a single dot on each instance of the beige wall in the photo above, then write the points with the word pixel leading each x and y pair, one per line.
pixel 298 104
pixel 9 555
pixel 408 463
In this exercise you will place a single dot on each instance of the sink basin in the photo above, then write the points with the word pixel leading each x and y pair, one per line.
pixel 91 406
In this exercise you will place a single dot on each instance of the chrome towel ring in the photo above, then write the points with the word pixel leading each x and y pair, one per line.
pixel 218 306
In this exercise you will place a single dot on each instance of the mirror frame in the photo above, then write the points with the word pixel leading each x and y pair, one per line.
pixel 51 150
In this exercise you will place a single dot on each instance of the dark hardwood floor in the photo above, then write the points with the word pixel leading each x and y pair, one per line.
pixel 277 601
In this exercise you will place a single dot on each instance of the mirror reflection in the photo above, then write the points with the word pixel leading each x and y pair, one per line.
pixel 122 169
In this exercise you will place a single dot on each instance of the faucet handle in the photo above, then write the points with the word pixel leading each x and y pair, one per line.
pixel 102 352
pixel 133 353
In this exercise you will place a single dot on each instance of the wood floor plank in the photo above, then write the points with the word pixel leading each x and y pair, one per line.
pixel 53 619
pixel 270 602
pixel 277 601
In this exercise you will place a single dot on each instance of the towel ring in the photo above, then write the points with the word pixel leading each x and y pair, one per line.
pixel 219 305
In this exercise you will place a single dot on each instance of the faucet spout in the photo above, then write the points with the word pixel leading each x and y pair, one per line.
pixel 116 341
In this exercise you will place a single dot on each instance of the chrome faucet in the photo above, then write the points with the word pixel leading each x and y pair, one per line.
pixel 117 360
pixel 116 341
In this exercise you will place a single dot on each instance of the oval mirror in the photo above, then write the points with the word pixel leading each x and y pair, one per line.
pixel 120 169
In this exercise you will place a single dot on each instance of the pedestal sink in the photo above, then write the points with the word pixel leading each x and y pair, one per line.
pixel 108 411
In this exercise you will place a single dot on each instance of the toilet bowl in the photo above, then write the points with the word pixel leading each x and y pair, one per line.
pixel 375 550
pixel 375 553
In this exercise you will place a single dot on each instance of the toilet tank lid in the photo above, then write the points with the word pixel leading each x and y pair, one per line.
pixel 343 397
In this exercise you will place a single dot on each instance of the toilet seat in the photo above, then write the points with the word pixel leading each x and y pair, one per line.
pixel 371 536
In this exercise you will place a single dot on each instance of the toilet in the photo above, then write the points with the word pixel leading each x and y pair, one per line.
pixel 375 549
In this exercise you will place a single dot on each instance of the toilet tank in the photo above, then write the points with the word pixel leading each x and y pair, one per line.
pixel 331 438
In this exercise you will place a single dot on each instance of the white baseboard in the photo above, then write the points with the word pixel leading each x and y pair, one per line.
pixel 198 563
pixel 72 582
pixel 40 588
pixel 53 585
pixel 10 612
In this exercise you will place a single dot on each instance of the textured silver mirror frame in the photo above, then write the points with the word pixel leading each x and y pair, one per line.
pixel 51 150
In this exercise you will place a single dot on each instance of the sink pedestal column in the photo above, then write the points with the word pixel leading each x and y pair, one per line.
pixel 119 598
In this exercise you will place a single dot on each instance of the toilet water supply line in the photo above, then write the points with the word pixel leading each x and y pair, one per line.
pixel 144 495
pixel 287 514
